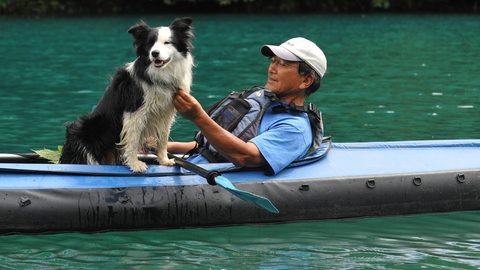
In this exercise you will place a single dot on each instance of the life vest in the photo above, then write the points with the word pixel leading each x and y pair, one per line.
pixel 241 113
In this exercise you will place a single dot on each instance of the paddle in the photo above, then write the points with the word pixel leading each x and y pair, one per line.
pixel 214 177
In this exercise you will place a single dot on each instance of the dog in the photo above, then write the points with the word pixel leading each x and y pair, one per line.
pixel 138 103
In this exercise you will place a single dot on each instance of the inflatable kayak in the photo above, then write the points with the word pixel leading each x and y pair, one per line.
pixel 352 180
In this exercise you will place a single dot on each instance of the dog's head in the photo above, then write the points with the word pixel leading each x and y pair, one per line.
pixel 160 45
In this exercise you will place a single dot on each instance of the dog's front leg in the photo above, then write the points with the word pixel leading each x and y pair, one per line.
pixel 163 131
pixel 131 140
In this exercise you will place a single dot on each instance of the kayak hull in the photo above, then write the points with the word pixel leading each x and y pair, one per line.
pixel 63 199
pixel 55 210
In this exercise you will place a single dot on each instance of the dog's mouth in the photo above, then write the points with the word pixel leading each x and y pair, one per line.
pixel 160 63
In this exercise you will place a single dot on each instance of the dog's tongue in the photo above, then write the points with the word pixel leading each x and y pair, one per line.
pixel 159 63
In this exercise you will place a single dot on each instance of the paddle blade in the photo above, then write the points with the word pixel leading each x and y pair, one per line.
pixel 246 196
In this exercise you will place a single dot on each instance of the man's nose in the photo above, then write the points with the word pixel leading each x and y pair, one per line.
pixel 272 68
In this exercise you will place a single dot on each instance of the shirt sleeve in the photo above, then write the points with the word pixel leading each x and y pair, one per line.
pixel 284 142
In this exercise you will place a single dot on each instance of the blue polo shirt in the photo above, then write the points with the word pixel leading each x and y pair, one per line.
pixel 283 137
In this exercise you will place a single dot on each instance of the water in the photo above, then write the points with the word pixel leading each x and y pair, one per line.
pixel 389 77
pixel 410 242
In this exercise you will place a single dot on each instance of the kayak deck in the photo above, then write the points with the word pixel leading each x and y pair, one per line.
pixel 344 160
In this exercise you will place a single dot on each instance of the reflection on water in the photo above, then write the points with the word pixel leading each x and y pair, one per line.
pixel 446 241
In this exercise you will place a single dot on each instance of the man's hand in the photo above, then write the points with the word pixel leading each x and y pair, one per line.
pixel 188 106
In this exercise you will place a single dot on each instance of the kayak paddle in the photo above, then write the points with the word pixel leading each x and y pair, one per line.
pixel 214 177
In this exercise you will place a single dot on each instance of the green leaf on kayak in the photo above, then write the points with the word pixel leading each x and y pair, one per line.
pixel 51 155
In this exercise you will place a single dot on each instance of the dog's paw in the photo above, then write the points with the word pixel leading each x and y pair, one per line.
pixel 138 166
pixel 166 162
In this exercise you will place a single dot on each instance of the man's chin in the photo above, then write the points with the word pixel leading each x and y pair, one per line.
pixel 270 86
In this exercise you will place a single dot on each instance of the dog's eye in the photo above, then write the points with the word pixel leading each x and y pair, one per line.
pixel 167 42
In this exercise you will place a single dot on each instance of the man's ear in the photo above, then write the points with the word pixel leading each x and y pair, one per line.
pixel 307 81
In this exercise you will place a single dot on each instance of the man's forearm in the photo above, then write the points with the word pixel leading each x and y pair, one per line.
pixel 180 147
pixel 228 145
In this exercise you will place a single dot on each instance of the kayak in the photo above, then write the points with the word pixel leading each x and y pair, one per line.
pixel 364 179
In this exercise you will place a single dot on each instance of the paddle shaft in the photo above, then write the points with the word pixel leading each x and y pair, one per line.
pixel 209 175
pixel 35 158
pixel 22 158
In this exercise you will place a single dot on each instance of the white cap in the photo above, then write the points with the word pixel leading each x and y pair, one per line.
pixel 299 49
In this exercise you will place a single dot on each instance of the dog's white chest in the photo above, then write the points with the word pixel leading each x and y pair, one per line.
pixel 156 100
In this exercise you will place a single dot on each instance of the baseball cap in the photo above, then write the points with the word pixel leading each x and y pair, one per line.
pixel 299 49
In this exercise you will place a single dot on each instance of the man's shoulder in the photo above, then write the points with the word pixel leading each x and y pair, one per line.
pixel 297 121
pixel 295 117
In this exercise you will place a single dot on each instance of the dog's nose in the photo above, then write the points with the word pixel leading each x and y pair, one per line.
pixel 155 54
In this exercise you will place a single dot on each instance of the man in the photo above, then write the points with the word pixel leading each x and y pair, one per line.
pixel 294 73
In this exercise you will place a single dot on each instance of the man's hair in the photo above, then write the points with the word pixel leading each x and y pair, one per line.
pixel 304 69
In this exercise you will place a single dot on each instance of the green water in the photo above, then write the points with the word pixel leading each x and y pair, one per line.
pixel 389 77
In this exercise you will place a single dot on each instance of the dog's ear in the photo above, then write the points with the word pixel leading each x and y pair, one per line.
pixel 182 24
pixel 182 29
pixel 139 31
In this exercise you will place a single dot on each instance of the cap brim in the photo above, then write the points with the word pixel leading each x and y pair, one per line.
pixel 271 50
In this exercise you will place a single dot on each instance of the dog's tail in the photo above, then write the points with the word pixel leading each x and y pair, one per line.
pixel 74 150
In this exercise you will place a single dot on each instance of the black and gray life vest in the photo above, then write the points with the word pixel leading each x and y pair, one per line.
pixel 241 113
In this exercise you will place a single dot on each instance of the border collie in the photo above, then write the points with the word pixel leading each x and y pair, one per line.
pixel 138 102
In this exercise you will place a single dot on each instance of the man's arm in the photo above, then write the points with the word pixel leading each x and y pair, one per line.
pixel 180 147
pixel 240 153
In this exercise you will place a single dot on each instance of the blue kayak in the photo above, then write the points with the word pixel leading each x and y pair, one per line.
pixel 352 180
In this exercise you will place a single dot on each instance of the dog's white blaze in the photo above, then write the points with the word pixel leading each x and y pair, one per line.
pixel 164 34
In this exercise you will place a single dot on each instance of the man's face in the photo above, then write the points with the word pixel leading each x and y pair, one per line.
pixel 283 78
